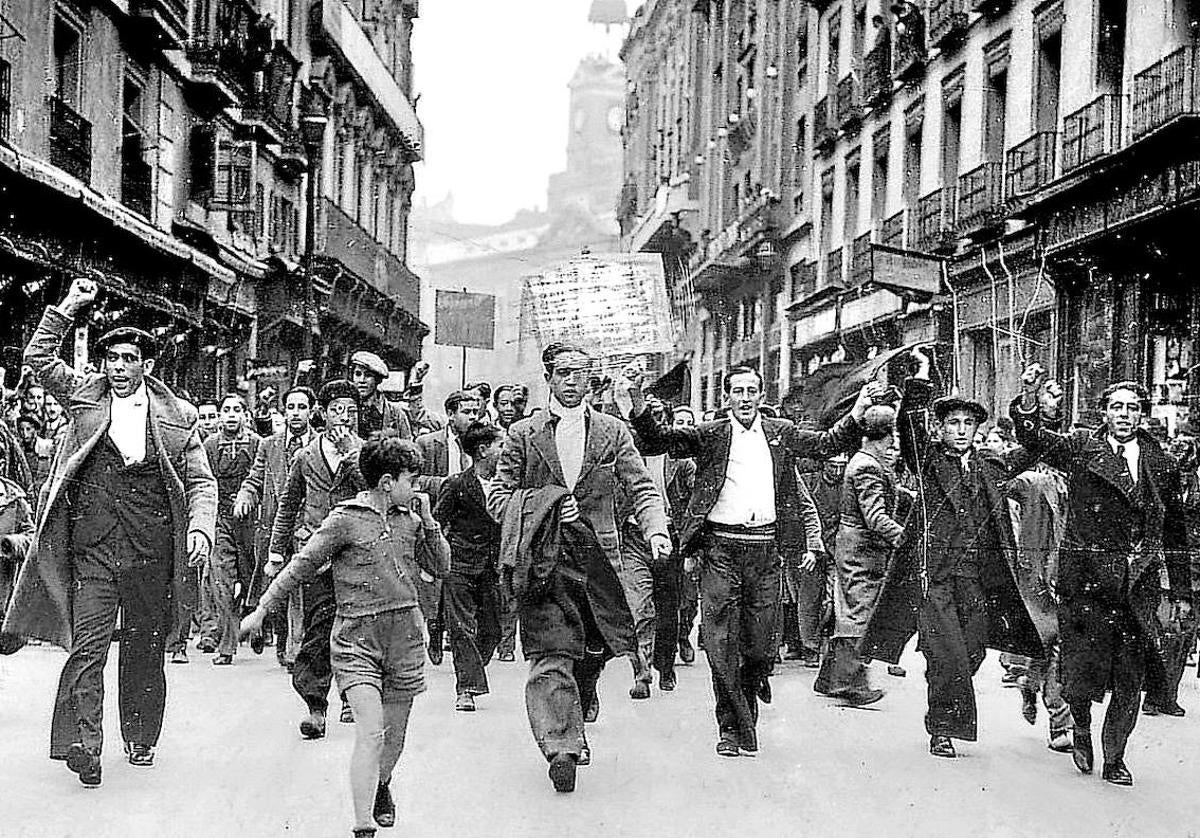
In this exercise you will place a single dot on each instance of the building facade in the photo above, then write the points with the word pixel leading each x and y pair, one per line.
pixel 165 148
pixel 1043 152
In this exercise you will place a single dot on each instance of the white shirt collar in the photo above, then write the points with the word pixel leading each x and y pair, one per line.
pixel 135 399
pixel 755 426
pixel 1131 444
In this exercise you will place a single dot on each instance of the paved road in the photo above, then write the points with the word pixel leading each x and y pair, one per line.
pixel 231 764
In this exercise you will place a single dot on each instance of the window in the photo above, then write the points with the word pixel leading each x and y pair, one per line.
pixel 260 221
pixel 135 171
pixel 858 34
pixel 952 93
pixel 1049 80
pixel 361 195
pixel 850 226
pixel 1110 46
pixel 799 166
pixel 833 52
pixel 802 52
pixel 221 171
pixel 995 99
pixel 826 211
pixel 68 58
pixel 880 153
pixel 340 151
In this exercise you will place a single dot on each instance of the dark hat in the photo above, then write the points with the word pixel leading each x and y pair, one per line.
pixel 946 405
pixel 339 388
pixel 31 419
pixel 128 334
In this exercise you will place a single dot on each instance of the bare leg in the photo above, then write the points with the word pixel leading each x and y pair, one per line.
pixel 368 748
pixel 395 728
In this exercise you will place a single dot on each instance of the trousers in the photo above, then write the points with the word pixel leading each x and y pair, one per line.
pixel 668 579
pixel 312 674
pixel 739 600
pixel 637 579
pixel 232 556
pixel 952 626
pixel 557 690
pixel 1128 676
pixel 473 617
pixel 113 578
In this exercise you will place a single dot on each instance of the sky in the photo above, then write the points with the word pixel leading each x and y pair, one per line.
pixel 492 78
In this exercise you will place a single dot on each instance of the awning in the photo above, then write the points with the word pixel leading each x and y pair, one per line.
pixel 675 385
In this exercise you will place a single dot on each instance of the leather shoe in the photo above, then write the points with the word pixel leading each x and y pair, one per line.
pixel 666 681
pixel 897 671
pixel 206 646
pixel 562 772
pixel 347 716
pixel 1172 709
pixel 465 703
pixel 1116 773
pixel 85 763
pixel 592 711
pixel 764 690
pixel 139 754
pixel 258 642
pixel 1149 708
pixel 1081 750
pixel 384 810
pixel 1060 742
pixel 314 726
pixel 861 698
pixel 686 653
pixel 639 690
pixel 436 654
pixel 223 660
pixel 585 756
pixel 941 746
pixel 727 748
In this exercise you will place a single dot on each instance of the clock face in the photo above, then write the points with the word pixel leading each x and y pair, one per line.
pixel 615 118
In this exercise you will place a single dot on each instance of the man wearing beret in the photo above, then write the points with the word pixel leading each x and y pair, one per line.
pixel 129 510
pixel 376 413
pixel 953 580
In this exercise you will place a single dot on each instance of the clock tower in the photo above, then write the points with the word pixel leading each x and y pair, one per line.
pixel 592 180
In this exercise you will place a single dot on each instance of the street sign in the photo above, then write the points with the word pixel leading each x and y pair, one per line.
pixel 465 319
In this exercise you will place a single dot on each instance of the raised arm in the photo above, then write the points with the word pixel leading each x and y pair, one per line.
pixel 1040 404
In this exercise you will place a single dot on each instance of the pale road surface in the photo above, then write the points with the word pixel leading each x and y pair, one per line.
pixel 232 764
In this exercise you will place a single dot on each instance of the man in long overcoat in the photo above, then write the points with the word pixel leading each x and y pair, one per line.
pixel 589 453
pixel 1125 542
pixel 130 506
pixel 955 584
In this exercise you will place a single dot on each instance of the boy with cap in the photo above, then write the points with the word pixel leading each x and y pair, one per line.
pixel 375 413
pixel 967 600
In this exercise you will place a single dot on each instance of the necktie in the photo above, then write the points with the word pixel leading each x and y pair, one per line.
pixel 1128 471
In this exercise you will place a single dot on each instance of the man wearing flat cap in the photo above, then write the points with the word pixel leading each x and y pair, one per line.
pixel 376 413
pixel 952 581
pixel 127 513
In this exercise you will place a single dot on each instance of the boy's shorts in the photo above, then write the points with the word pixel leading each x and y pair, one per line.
pixel 384 650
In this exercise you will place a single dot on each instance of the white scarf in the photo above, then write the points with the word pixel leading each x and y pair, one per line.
pixel 569 437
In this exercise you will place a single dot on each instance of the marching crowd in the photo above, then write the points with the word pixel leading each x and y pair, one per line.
pixel 359 533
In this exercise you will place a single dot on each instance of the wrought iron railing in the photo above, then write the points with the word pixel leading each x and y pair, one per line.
pixel 835 267
pixel 947 21
pixel 849 103
pixel 891 231
pixel 1091 132
pixel 1164 91
pixel 70 140
pixel 824 132
pixel 860 260
pixel 1030 165
pixel 877 74
pixel 980 195
pixel 933 228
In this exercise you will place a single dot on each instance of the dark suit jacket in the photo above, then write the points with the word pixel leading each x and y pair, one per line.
pixel 473 535
pixel 708 444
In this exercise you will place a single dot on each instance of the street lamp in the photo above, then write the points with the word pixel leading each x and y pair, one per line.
pixel 312 133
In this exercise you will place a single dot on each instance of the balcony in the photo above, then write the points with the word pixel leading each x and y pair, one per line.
pixel 358 251
pixel 221 52
pixel 804 280
pixel 908 56
pixel 835 268
pixel 934 228
pixel 849 104
pixel 980 197
pixel 947 23
pixel 70 140
pixel 164 22
pixel 1165 91
pixel 1092 132
pixel 877 75
pixel 1030 165
pixel 860 260
pixel 268 112
pixel 824 132
pixel 293 157
pixel 891 231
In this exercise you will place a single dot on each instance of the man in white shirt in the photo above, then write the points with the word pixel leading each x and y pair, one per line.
pixel 743 511
pixel 130 508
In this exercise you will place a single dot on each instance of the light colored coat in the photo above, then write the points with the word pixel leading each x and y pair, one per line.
pixel 41 605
